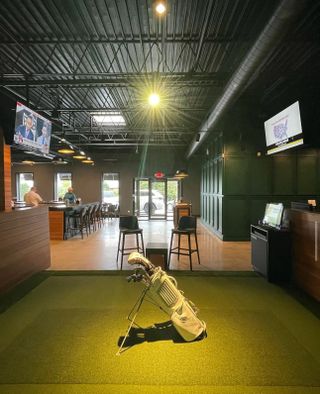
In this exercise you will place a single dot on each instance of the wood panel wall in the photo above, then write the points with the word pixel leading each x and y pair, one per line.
pixel 5 175
pixel 305 228
pixel 24 246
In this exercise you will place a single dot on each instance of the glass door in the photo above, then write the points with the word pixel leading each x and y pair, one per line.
pixel 141 197
pixel 155 198
pixel 172 195
pixel 158 198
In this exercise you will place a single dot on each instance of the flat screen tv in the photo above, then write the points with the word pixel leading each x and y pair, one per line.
pixel 273 215
pixel 284 131
pixel 32 131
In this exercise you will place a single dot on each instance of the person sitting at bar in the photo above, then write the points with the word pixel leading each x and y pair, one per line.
pixel 70 196
pixel 32 197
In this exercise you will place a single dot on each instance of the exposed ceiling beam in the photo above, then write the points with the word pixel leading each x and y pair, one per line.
pixel 110 79
pixel 113 144
pixel 113 109
pixel 86 130
pixel 286 12
pixel 119 40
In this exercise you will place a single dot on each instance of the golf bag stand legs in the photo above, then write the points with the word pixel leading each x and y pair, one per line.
pixel 132 317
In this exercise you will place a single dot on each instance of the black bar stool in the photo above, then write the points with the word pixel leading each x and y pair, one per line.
pixel 187 226
pixel 128 225
pixel 81 221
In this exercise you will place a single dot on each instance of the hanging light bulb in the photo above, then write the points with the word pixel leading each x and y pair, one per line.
pixel 79 156
pixel 154 99
pixel 66 148
pixel 88 160
pixel 160 7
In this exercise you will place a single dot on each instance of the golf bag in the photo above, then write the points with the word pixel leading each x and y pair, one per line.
pixel 164 292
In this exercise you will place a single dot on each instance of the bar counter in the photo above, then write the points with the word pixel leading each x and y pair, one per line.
pixel 57 219
pixel 58 214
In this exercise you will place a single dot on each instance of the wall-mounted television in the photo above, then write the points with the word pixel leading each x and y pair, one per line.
pixel 273 215
pixel 31 131
pixel 284 131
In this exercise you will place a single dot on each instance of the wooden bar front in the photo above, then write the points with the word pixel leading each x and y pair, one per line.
pixel 5 174
pixel 57 220
pixel 305 227
pixel 181 209
pixel 57 224
pixel 24 247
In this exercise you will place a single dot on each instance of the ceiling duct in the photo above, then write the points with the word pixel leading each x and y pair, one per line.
pixel 271 34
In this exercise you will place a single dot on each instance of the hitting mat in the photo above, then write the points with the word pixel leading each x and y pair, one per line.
pixel 63 337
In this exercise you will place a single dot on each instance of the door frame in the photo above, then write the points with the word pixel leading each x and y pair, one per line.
pixel 136 194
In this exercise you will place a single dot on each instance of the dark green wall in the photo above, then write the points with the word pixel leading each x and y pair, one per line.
pixel 236 183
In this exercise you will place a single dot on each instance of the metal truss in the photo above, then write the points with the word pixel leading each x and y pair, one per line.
pixel 111 79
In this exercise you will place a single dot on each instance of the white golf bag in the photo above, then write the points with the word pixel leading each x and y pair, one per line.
pixel 163 290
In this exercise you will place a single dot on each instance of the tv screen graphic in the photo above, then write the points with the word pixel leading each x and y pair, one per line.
pixel 273 215
pixel 284 131
pixel 32 131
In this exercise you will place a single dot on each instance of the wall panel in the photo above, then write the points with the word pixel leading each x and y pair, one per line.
pixel 307 175
pixel 236 220
pixel 284 175
pixel 260 176
pixel 236 175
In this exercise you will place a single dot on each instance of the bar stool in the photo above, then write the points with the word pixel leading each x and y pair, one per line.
pixel 128 225
pixel 111 211
pixel 90 217
pixel 81 221
pixel 69 222
pixel 98 215
pixel 187 226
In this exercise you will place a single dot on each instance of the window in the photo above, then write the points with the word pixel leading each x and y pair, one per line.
pixel 24 183
pixel 110 188
pixel 62 183
pixel 111 118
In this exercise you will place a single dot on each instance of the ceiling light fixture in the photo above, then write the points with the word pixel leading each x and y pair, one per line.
pixel 154 99
pixel 29 162
pixel 59 160
pixel 160 7
pixel 87 161
pixel 181 174
pixel 66 151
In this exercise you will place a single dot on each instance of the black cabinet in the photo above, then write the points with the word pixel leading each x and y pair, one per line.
pixel 271 253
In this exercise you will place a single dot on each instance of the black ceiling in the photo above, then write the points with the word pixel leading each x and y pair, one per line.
pixel 78 57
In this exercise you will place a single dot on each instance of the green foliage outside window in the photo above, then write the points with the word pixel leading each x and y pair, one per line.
pixel 63 182
pixel 24 184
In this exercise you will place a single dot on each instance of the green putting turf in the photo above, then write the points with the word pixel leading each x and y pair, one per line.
pixel 62 337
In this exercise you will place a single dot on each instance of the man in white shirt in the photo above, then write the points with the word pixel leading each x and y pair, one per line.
pixel 32 197
pixel 43 137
